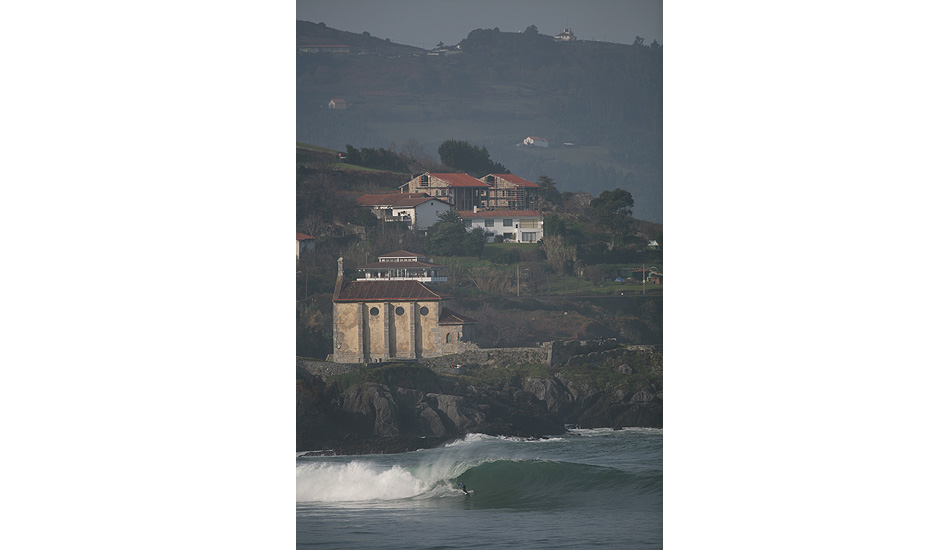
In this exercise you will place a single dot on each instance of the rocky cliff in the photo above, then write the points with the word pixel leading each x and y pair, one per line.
pixel 406 407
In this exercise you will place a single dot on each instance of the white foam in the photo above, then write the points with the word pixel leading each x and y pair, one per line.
pixel 356 481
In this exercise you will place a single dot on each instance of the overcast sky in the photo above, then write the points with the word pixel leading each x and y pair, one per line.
pixel 425 23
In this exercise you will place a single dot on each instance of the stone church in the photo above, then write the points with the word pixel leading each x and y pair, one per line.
pixel 385 318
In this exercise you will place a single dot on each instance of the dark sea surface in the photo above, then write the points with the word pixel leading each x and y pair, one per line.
pixel 596 488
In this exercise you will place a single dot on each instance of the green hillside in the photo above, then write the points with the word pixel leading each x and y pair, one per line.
pixel 494 90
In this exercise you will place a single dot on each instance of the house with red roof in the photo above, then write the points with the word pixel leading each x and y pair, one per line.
pixel 461 191
pixel 381 319
pixel 511 192
pixel 535 141
pixel 420 210
pixel 516 226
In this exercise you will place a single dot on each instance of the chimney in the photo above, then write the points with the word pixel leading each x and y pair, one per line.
pixel 475 209
pixel 339 278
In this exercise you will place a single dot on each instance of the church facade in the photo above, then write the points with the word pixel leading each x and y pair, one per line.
pixel 381 320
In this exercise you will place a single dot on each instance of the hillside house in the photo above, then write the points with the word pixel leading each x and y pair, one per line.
pixel 511 192
pixel 305 243
pixel 402 266
pixel 535 141
pixel 420 210
pixel 337 104
pixel 459 190
pixel 519 226
pixel 379 320
pixel 565 36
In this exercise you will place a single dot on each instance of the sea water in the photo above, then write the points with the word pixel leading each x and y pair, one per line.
pixel 598 488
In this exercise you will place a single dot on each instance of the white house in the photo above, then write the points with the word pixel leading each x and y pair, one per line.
pixel 520 226
pixel 423 212
pixel 565 36
pixel 337 104
pixel 535 141
pixel 419 209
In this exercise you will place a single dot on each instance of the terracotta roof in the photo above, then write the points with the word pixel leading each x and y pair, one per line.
pixel 449 317
pixel 517 180
pixel 375 291
pixel 304 236
pixel 500 213
pixel 458 180
pixel 401 254
pixel 386 199
pixel 412 202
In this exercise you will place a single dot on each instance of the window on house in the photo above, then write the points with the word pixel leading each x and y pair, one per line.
pixel 423 310
pixel 448 338
pixel 507 223
pixel 467 223
pixel 489 223
pixel 529 236
pixel 400 311
pixel 529 223
pixel 374 311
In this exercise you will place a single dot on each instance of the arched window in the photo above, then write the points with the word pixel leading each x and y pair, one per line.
pixel 448 338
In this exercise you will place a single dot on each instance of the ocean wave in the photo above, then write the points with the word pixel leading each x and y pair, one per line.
pixel 500 482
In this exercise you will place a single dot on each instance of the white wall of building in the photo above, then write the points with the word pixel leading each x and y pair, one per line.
pixel 424 215
pixel 525 229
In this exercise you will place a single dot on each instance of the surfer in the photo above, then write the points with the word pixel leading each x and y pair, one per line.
pixel 462 485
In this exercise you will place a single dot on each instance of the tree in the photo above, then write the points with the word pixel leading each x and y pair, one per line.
pixel 562 256
pixel 549 192
pixel 532 29
pixel 353 155
pixel 448 237
pixel 612 210
pixel 469 158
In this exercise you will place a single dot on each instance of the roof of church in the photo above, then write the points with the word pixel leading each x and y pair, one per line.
pixel 449 317
pixel 374 291
pixel 401 254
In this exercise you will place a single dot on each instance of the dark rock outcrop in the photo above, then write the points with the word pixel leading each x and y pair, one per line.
pixel 413 409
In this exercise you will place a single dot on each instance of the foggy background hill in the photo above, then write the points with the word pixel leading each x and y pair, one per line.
pixel 598 104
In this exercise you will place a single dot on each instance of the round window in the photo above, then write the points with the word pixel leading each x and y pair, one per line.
pixel 400 311
pixel 424 311
pixel 374 311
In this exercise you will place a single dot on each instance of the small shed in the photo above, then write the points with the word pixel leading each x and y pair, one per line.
pixel 304 243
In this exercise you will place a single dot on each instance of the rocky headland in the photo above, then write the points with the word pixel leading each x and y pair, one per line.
pixel 403 407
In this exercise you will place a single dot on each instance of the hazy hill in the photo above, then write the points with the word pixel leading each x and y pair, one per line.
pixel 494 90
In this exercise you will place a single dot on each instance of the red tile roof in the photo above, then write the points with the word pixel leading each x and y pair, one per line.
pixel 457 180
pixel 517 180
pixel 377 291
pixel 304 236
pixel 449 317
pixel 500 213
